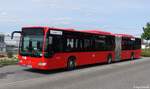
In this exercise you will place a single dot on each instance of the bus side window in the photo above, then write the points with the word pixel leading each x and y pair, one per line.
pixel 57 43
pixel 110 43
pixel 50 40
pixel 76 43
pixel 49 44
pixel 100 43
pixel 80 44
pixel 88 45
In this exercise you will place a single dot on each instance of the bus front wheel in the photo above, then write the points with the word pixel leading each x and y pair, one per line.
pixel 71 63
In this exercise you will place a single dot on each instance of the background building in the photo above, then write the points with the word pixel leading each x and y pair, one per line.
pixel 7 44
pixel 2 44
pixel 12 44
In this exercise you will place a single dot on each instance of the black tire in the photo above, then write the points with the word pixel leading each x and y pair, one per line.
pixel 71 64
pixel 109 60
pixel 132 56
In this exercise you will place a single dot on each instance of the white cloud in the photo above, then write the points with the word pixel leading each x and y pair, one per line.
pixel 7 18
pixel 3 13
pixel 62 19
pixel 62 23
pixel 76 13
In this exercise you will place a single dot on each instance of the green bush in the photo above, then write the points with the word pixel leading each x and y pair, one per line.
pixel 9 54
pixel 7 61
pixel 146 53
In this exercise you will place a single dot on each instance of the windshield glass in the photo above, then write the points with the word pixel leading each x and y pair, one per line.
pixel 32 41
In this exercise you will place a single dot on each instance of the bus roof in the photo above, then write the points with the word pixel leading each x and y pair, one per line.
pixel 97 32
pixel 125 35
pixel 68 29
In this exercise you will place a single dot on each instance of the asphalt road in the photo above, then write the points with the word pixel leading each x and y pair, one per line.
pixel 122 75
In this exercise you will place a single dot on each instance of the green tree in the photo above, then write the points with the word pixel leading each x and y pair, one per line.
pixel 146 34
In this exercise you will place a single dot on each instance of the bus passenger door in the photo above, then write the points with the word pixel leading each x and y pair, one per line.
pixel 118 48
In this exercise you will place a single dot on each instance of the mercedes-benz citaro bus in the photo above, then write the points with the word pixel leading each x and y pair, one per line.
pixel 49 48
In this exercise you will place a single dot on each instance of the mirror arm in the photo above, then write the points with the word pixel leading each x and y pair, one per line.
pixel 12 34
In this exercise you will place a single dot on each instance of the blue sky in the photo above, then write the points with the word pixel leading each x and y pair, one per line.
pixel 117 16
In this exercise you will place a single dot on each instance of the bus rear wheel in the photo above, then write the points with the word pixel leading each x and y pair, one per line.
pixel 71 64
pixel 132 56
pixel 109 60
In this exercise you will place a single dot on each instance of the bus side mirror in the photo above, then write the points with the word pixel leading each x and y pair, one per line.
pixel 12 34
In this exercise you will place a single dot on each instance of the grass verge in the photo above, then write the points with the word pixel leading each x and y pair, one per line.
pixel 8 61
pixel 146 52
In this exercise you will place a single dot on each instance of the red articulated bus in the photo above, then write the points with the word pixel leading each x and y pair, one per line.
pixel 52 48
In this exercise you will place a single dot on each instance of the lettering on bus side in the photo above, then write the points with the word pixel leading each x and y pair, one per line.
pixel 70 43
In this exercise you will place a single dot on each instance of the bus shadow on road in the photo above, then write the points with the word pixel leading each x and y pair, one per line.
pixel 55 71
pixel 45 72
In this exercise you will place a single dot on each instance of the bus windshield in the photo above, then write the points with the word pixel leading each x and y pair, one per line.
pixel 32 41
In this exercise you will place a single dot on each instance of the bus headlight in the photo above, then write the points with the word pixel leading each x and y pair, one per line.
pixel 42 64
